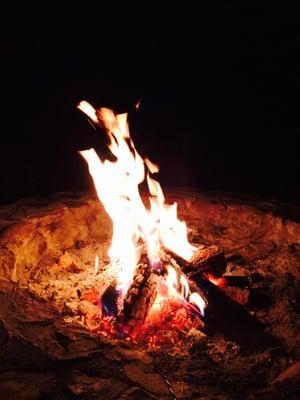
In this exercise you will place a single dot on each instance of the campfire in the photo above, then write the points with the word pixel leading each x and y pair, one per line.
pixel 162 282
pixel 150 293
pixel 136 294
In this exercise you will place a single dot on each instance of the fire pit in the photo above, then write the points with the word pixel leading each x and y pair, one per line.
pixel 126 301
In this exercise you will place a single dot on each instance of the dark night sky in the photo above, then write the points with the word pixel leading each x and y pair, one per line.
pixel 219 86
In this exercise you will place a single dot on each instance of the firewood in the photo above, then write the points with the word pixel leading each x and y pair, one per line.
pixel 229 317
pixel 239 295
pixel 208 259
pixel 139 297
pixel 238 281
pixel 222 313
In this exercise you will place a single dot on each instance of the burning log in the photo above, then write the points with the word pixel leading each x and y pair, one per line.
pixel 209 259
pixel 222 313
pixel 139 297
pixel 228 316
pixel 238 287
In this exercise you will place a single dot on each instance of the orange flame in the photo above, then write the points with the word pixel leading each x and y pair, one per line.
pixel 117 185
pixel 179 286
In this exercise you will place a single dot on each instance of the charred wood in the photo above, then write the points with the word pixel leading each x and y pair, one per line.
pixel 207 260
pixel 222 313
pixel 229 317
pixel 139 297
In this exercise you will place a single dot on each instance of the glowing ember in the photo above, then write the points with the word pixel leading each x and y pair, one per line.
pixel 137 229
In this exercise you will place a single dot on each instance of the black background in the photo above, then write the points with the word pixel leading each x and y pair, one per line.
pixel 219 88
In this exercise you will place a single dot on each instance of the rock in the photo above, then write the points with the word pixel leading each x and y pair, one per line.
pixel 136 393
pixel 26 386
pixel 3 334
pixel 88 309
pixel 288 381
pixel 128 354
pixel 292 372
pixel 89 386
pixel 40 240
pixel 152 382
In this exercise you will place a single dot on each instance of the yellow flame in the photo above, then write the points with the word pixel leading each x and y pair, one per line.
pixel 85 107
pixel 117 185
pixel 137 106
pixel 178 286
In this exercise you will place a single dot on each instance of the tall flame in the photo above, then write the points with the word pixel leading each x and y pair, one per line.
pixel 117 185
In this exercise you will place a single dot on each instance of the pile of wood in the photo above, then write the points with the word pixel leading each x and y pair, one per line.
pixel 223 313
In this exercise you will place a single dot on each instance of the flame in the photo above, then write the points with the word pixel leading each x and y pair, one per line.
pixel 117 185
pixel 178 286
pixel 137 106
pixel 85 107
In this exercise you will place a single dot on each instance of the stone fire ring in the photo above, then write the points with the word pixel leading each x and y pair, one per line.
pixel 45 354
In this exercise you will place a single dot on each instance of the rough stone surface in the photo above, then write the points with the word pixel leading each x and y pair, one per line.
pixel 47 249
